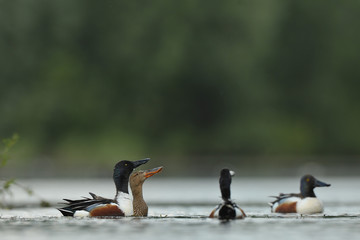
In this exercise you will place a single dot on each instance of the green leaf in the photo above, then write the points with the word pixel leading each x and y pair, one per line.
pixel 8 183
pixel 44 203
pixel 8 144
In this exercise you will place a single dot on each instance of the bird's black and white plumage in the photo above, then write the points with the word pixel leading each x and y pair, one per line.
pixel 304 202
pixel 98 206
pixel 227 209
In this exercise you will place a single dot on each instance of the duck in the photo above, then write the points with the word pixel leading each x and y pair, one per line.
pixel 227 210
pixel 120 205
pixel 137 180
pixel 304 202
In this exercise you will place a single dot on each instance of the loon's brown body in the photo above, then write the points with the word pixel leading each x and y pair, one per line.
pixel 137 180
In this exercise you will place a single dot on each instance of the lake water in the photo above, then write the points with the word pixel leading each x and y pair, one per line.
pixel 178 209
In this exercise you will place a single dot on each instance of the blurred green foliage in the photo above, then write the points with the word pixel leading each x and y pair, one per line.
pixel 4 150
pixel 6 185
pixel 91 81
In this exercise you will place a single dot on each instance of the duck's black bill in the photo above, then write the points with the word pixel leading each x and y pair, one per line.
pixel 321 184
pixel 140 162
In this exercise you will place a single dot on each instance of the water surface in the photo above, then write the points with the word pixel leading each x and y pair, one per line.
pixel 178 208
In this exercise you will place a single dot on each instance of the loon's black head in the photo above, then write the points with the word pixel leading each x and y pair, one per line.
pixel 308 183
pixel 122 172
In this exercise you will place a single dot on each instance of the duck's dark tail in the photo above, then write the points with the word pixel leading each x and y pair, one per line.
pixel 82 204
pixel 67 212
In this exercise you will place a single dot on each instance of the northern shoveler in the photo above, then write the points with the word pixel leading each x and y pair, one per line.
pixel 136 182
pixel 304 202
pixel 98 206
pixel 227 209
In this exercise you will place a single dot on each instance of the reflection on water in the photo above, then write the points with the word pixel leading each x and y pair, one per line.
pixel 179 208
pixel 180 227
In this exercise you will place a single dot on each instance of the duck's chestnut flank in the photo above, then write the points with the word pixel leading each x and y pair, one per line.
pixel 107 210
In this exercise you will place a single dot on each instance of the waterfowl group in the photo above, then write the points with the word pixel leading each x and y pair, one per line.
pixel 123 204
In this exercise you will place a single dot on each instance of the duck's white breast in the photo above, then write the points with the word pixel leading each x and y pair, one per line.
pixel 125 203
pixel 309 205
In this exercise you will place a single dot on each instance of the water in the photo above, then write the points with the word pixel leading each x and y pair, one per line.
pixel 178 208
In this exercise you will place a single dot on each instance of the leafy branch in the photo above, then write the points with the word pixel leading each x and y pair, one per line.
pixel 8 144
pixel 5 187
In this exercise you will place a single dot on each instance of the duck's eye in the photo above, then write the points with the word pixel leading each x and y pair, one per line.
pixel 308 179
pixel 125 164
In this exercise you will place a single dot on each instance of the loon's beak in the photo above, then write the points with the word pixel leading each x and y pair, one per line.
pixel 321 184
pixel 140 162
pixel 152 172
